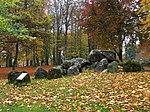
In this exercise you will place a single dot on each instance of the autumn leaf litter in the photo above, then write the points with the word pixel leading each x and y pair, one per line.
pixel 87 91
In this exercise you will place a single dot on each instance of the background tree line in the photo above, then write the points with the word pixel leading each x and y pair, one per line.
pixel 43 32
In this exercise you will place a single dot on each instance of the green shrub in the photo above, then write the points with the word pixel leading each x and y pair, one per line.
pixel 132 66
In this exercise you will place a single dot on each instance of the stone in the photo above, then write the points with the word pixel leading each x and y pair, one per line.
pixel 66 64
pixel 100 66
pixel 24 78
pixel 75 65
pixel 113 67
pixel 12 76
pixel 40 73
pixel 73 70
pixel 56 72
pixel 98 55
pixel 83 62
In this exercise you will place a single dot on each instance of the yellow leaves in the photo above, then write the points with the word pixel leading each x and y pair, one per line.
pixel 146 18
pixel 112 110
pixel 140 87
pixel 8 102
pixel 83 92
pixel 85 97
pixel 133 91
pixel 111 102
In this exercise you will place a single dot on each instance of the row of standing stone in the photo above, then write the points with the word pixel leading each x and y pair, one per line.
pixel 99 60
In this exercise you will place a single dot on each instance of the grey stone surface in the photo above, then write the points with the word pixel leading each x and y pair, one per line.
pixel 66 64
pixel 56 72
pixel 100 66
pixel 98 55
pixel 12 76
pixel 73 70
pixel 40 73
pixel 113 67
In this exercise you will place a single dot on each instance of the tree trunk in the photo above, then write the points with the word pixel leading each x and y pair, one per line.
pixel 54 56
pixel 89 43
pixel 16 57
pixel 46 60
pixel 119 53
pixel 33 57
pixel 37 61
pixel 65 41
pixel 80 35
pixel 27 60
pixel 9 59
pixel 46 47
pixel 58 53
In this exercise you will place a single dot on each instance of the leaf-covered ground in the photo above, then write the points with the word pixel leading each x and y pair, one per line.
pixel 85 92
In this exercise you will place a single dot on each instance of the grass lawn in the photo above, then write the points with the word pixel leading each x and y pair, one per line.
pixel 87 92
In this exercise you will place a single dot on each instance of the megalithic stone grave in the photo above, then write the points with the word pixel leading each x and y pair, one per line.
pixel 23 77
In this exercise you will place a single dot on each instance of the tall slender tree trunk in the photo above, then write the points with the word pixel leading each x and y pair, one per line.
pixel 58 16
pixel 89 43
pixel 9 59
pixel 16 57
pixel 54 56
pixel 27 60
pixel 119 53
pixel 65 41
pixel 80 35
pixel 46 47
pixel 58 53
pixel 58 41
pixel 37 61
pixel 33 57
pixel 75 37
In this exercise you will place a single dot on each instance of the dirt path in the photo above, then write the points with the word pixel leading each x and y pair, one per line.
pixel 5 70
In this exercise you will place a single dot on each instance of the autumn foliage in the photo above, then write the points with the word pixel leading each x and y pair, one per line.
pixel 108 22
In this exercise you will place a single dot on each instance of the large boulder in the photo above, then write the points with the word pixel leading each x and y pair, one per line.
pixel 12 76
pixel 40 73
pixel 56 72
pixel 73 70
pixel 113 67
pixel 80 63
pixel 66 64
pixel 100 66
pixel 24 78
pixel 83 62
pixel 98 55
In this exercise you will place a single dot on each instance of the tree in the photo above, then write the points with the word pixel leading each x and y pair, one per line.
pixel 30 15
pixel 57 14
pixel 11 30
pixel 109 23
pixel 68 12
pixel 145 21
pixel 36 19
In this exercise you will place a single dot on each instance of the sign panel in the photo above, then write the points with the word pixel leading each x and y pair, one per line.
pixel 21 76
